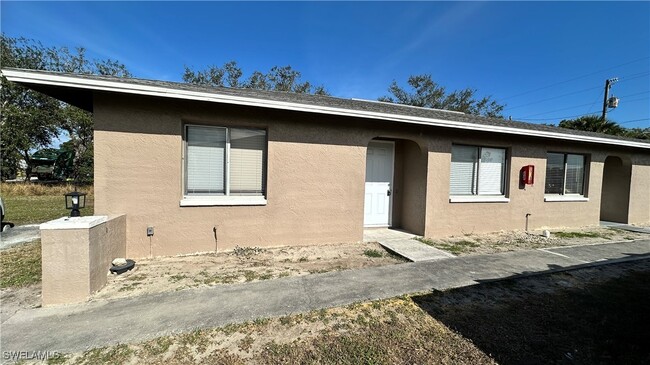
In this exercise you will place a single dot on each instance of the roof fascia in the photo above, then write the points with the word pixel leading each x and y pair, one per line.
pixel 159 91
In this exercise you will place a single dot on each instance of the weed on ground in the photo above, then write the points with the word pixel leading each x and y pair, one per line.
pixel 373 253
pixel 454 247
pixel 565 234
pixel 470 243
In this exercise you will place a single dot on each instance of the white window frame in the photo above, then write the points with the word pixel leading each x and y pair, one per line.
pixel 484 198
pixel 563 196
pixel 226 198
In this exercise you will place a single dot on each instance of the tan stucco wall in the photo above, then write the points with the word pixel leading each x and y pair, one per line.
pixel 76 261
pixel 413 206
pixel 410 176
pixel 445 218
pixel 639 211
pixel 315 179
pixel 313 176
pixel 615 190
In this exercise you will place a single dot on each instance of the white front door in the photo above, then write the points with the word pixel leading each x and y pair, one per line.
pixel 379 181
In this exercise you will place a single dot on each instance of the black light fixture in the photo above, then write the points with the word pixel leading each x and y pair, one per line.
pixel 75 201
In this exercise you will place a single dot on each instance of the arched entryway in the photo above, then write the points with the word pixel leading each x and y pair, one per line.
pixel 615 195
pixel 395 190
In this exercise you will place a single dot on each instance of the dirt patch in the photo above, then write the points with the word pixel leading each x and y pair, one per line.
pixel 472 244
pixel 14 299
pixel 241 265
pixel 382 332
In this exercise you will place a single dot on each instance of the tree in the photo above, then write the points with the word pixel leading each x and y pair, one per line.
pixel 31 120
pixel 277 79
pixel 427 93
pixel 639 133
pixel 78 123
pixel 593 123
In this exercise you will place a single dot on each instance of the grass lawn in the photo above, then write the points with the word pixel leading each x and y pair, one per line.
pixel 595 315
pixel 394 331
pixel 21 265
pixel 33 204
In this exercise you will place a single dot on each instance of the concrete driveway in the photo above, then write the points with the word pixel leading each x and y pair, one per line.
pixel 19 234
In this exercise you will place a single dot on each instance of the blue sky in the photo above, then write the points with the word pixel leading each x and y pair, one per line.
pixel 545 60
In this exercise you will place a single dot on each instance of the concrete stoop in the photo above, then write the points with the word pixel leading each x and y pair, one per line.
pixel 403 243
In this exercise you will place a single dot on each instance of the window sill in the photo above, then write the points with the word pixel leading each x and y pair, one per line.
pixel 478 199
pixel 565 198
pixel 207 201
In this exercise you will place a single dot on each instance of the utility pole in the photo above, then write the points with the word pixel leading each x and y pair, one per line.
pixel 608 85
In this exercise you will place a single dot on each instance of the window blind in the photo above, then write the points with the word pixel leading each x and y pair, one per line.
pixel 206 148
pixel 491 170
pixel 247 150
pixel 554 173
pixel 463 170
pixel 575 174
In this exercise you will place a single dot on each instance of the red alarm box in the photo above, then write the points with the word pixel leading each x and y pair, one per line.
pixel 528 175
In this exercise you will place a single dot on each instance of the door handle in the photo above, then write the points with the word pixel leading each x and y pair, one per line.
pixel 388 192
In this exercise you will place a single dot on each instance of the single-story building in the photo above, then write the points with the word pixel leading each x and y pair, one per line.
pixel 212 168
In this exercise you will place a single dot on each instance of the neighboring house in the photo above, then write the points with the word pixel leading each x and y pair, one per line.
pixel 211 168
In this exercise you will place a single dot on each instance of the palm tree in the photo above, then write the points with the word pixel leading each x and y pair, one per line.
pixel 593 123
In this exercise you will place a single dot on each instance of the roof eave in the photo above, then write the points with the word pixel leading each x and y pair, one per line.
pixel 34 79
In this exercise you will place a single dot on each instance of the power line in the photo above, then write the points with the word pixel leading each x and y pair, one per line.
pixel 554 97
pixel 574 78
pixel 639 99
pixel 566 117
pixel 594 103
pixel 580 105
pixel 581 115
pixel 557 110
pixel 627 78
pixel 633 76
pixel 635 94
pixel 634 120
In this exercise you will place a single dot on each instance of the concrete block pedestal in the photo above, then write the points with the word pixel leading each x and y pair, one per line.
pixel 77 254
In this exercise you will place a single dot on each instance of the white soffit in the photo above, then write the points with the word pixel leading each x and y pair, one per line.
pixel 28 77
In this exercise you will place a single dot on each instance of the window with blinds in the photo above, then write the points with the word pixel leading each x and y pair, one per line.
pixel 206 161
pixel 565 174
pixel 554 173
pixel 477 171
pixel 224 161
pixel 247 161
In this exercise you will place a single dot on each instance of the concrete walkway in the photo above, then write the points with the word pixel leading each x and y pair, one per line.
pixel 19 234
pixel 403 244
pixel 80 327
pixel 625 227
